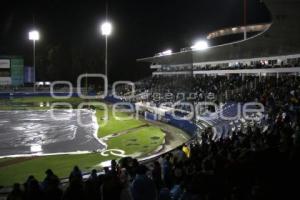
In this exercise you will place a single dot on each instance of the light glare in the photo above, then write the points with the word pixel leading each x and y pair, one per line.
pixel 200 45
pixel 34 35
pixel 106 28
pixel 167 52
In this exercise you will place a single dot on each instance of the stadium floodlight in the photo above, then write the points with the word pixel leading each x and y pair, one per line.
pixel 106 28
pixel 34 35
pixel 167 52
pixel 200 45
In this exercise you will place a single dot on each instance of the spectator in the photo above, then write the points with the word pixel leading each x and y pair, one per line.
pixel 111 187
pixel 93 177
pixel 125 184
pixel 143 188
pixel 91 190
pixel 75 174
pixel 50 179
pixel 179 155
pixel 33 190
pixel 186 150
pixel 16 193
pixel 166 169
pixel 75 190
pixel 51 186
pixel 156 174
pixel 176 191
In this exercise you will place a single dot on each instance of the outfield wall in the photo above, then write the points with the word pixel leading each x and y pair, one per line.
pixel 185 125
pixel 32 94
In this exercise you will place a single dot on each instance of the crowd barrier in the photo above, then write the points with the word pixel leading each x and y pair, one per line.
pixel 186 125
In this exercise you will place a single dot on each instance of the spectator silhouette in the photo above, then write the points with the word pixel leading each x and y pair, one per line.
pixel 51 186
pixel 75 174
pixel 156 175
pixel 16 193
pixel 143 188
pixel 50 179
pixel 33 190
pixel 75 190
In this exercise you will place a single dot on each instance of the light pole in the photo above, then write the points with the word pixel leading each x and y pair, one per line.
pixel 245 19
pixel 34 35
pixel 106 29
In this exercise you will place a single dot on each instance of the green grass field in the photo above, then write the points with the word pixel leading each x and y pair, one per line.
pixel 61 164
pixel 135 137
pixel 114 125
pixel 143 141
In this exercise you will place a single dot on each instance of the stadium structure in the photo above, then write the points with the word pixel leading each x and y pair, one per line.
pixel 274 50
pixel 264 68
pixel 271 50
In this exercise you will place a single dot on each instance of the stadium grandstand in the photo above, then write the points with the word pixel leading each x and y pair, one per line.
pixel 276 45
pixel 252 156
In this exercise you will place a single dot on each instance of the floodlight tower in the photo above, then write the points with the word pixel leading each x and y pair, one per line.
pixel 106 30
pixel 34 35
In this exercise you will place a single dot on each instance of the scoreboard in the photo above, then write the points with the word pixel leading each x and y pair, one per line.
pixel 12 71
pixel 16 71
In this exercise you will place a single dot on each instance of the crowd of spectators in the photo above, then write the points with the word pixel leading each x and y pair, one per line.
pixel 236 66
pixel 232 88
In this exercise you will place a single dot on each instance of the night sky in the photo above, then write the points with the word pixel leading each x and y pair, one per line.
pixel 71 42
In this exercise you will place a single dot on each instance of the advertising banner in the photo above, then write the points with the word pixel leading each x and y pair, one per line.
pixel 29 75
pixel 4 63
pixel 5 81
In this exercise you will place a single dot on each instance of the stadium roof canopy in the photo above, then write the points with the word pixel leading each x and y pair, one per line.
pixel 238 30
pixel 281 38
